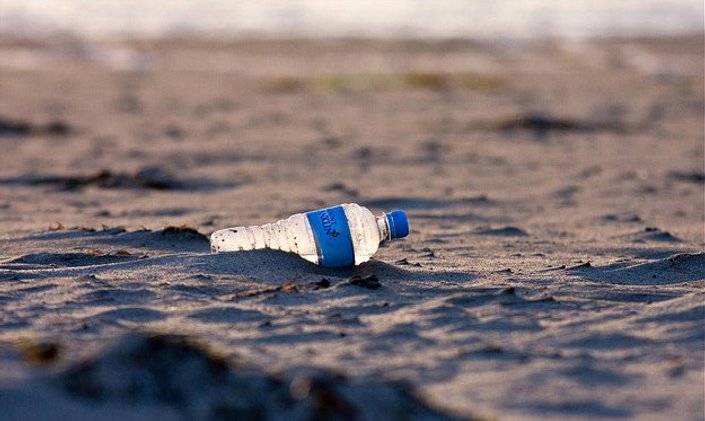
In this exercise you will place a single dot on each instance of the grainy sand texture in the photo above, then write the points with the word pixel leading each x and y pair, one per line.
pixel 554 269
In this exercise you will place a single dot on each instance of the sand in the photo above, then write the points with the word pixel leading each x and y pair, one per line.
pixel 554 269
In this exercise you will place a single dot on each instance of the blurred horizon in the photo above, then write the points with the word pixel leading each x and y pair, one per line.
pixel 321 19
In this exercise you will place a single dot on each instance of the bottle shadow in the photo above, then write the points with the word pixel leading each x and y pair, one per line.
pixel 182 253
pixel 274 266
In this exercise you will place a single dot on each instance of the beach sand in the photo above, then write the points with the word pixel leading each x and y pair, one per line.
pixel 554 269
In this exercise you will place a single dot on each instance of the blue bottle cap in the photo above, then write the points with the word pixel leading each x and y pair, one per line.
pixel 398 224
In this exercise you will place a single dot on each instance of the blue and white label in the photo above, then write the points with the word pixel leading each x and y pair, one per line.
pixel 332 234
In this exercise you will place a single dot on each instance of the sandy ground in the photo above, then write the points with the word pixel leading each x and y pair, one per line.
pixel 554 269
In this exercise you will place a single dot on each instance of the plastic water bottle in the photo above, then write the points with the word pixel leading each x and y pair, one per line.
pixel 343 235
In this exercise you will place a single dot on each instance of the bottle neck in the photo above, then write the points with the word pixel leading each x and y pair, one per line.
pixel 384 233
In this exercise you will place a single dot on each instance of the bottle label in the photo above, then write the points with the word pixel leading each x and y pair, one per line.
pixel 332 234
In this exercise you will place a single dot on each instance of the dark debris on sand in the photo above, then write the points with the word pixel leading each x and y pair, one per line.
pixel 697 177
pixel 656 234
pixel 542 124
pixel 173 372
pixel 91 257
pixel 183 231
pixel 286 287
pixel 150 178
pixel 322 284
pixel 42 352
pixel 369 282
pixel 507 231
pixel 22 128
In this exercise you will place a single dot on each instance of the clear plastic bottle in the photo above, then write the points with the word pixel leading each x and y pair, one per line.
pixel 343 235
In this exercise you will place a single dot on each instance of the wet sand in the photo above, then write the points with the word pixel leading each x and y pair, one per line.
pixel 554 269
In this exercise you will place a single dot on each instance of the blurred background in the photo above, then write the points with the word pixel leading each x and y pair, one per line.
pixel 367 18
pixel 237 95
